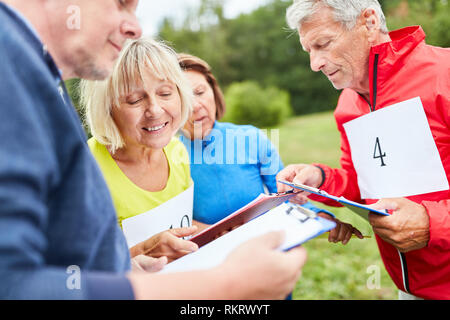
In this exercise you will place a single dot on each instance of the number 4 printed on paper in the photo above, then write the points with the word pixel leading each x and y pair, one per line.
pixel 378 154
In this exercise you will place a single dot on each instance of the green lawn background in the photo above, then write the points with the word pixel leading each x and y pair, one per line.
pixel 333 271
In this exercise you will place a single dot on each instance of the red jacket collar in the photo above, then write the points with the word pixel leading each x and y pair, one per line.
pixel 402 41
pixel 384 57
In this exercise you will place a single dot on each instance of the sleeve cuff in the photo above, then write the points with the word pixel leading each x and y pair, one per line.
pixel 323 175
pixel 326 172
pixel 439 224
pixel 103 286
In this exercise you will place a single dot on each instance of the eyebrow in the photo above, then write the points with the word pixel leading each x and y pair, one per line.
pixel 134 94
pixel 200 85
pixel 169 83
pixel 321 38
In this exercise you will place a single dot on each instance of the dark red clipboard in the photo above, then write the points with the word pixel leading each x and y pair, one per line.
pixel 257 207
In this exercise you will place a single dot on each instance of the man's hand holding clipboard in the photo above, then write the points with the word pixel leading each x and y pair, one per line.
pixel 303 174
pixel 384 216
pixel 360 209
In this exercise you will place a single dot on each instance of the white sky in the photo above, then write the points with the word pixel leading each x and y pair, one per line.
pixel 151 12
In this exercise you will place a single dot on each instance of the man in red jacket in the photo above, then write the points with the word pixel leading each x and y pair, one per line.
pixel 393 117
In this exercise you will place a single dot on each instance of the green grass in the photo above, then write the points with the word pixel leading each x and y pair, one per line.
pixel 333 271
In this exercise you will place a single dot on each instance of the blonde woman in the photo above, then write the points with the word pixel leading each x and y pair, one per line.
pixel 133 117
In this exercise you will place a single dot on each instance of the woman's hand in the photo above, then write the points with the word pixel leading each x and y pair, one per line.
pixel 143 263
pixel 167 243
pixel 342 232
pixel 200 226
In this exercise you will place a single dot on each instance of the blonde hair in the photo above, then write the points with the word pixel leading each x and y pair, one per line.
pixel 138 56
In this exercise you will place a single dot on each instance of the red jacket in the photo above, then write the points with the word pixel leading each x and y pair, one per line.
pixel 400 70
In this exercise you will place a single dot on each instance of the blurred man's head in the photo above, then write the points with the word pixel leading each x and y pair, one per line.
pixel 83 36
pixel 338 35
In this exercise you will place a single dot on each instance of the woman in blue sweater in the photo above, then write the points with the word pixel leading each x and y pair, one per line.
pixel 230 164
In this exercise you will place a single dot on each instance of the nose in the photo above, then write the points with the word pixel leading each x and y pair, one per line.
pixel 131 28
pixel 317 61
pixel 196 105
pixel 154 110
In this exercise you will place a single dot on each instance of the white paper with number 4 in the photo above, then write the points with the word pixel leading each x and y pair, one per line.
pixel 394 152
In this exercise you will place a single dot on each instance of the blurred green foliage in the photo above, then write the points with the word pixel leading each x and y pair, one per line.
pixel 247 102
pixel 432 15
pixel 256 46
pixel 74 92
pixel 259 46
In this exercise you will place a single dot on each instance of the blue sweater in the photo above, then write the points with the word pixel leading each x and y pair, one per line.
pixel 230 168
pixel 55 208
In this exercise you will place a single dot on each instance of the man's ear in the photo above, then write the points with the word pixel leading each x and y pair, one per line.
pixel 372 24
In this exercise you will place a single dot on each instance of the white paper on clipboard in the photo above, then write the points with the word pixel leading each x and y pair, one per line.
pixel 175 213
pixel 298 228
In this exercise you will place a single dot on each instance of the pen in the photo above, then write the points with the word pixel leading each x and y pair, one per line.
pixel 325 235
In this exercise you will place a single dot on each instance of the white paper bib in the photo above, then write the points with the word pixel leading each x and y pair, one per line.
pixel 175 213
pixel 394 153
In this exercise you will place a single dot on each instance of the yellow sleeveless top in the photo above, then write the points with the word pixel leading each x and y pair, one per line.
pixel 129 199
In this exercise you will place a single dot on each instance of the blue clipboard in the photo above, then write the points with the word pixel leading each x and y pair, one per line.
pixel 358 208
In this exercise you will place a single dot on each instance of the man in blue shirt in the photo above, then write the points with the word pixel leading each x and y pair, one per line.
pixel 56 214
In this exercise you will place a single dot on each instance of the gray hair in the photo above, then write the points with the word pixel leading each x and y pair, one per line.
pixel 345 11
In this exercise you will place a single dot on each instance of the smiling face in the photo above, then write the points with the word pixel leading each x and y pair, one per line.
pixel 204 113
pixel 90 50
pixel 150 114
pixel 341 54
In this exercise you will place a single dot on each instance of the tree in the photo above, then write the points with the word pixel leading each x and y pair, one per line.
pixel 255 46
pixel 248 102
pixel 432 15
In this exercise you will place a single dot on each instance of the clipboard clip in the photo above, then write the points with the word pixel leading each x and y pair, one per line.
pixel 282 193
pixel 300 213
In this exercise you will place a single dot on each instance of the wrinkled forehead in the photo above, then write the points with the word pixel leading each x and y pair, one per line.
pixel 320 24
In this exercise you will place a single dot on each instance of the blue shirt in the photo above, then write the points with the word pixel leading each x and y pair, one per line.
pixel 56 211
pixel 230 168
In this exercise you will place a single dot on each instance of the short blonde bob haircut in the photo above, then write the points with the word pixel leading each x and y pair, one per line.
pixel 192 63
pixel 137 57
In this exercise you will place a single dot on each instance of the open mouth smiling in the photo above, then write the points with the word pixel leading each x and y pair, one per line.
pixel 156 128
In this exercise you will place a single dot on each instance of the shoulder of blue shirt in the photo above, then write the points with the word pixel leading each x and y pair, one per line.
pixel 99 285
